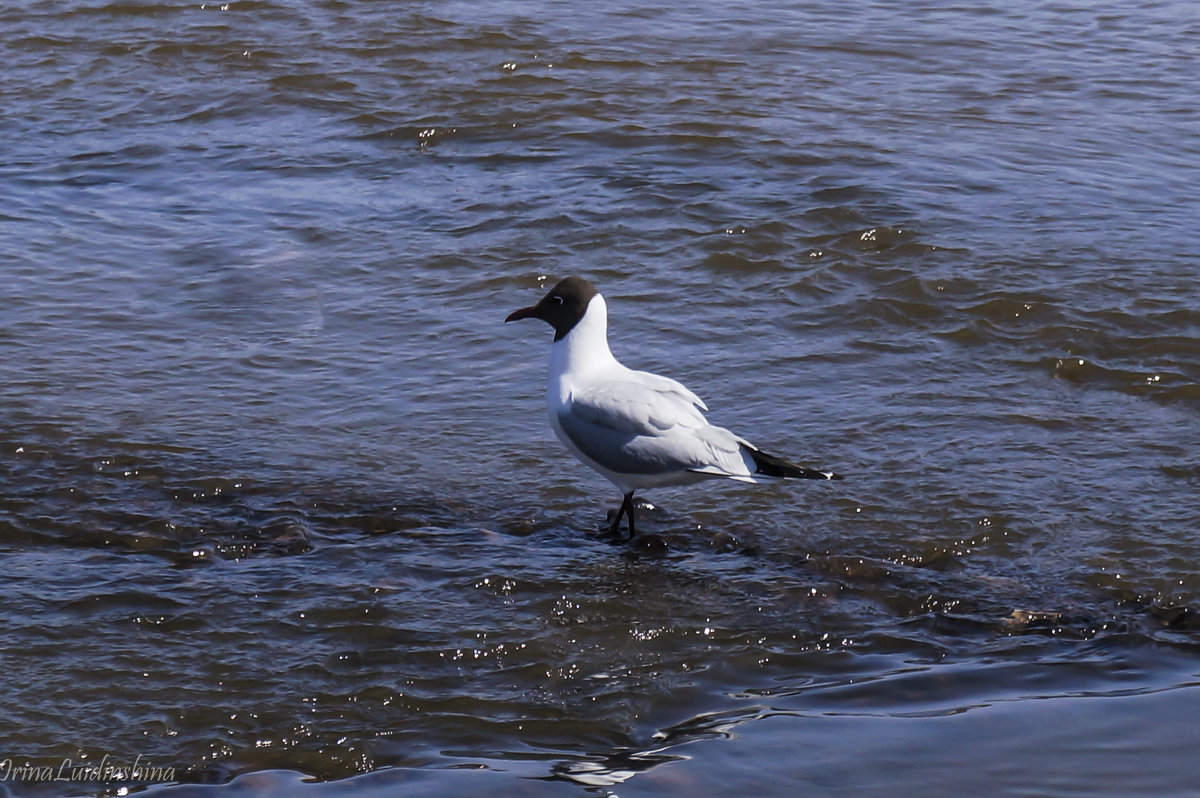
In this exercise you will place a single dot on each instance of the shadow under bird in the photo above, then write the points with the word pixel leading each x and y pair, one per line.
pixel 637 429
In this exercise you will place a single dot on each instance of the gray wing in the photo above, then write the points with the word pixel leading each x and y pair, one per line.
pixel 633 428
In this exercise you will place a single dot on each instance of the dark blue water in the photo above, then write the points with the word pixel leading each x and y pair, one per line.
pixel 279 508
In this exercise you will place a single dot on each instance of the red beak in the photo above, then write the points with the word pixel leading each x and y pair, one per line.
pixel 524 313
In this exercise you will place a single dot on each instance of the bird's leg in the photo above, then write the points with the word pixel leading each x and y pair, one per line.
pixel 629 513
pixel 615 527
pixel 626 509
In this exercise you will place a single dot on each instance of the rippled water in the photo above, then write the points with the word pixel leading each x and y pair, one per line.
pixel 281 512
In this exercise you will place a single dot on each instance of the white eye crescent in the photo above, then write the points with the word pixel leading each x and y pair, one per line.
pixel 557 299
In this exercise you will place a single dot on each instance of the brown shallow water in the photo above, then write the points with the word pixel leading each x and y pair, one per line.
pixel 279 509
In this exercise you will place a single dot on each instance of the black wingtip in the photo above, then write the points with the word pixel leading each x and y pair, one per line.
pixel 771 466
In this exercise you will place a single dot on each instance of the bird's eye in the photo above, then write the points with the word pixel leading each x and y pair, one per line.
pixel 557 299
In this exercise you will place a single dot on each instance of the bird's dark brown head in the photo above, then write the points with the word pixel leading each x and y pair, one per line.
pixel 562 307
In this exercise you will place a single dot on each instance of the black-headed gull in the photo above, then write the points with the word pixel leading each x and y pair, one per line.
pixel 637 429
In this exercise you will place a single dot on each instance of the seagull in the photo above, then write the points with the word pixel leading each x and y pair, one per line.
pixel 639 430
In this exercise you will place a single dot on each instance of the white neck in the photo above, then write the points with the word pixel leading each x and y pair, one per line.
pixel 584 350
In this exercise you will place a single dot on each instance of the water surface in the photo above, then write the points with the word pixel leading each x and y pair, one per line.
pixel 280 509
